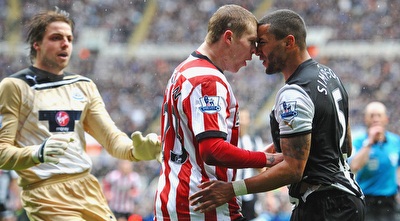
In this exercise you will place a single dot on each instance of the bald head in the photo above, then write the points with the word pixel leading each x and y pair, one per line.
pixel 375 114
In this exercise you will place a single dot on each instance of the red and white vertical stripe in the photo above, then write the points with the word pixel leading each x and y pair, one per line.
pixel 182 120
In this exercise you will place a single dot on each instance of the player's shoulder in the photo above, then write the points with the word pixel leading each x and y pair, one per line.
pixel 292 90
pixel 21 74
pixel 393 136
pixel 19 77
pixel 199 65
pixel 75 77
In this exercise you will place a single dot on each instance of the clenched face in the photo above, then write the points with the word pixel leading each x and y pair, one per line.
pixel 54 51
pixel 242 49
pixel 271 51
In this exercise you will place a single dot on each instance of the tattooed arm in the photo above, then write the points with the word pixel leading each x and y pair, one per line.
pixel 295 154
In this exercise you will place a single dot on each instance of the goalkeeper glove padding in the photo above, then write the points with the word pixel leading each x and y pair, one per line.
pixel 51 149
pixel 146 148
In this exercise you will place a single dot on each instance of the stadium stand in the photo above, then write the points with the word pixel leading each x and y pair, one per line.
pixel 130 47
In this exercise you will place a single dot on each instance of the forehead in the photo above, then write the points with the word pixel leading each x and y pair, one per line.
pixel 375 110
pixel 262 31
pixel 58 27
pixel 251 31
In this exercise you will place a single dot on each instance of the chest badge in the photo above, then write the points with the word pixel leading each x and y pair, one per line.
pixel 62 118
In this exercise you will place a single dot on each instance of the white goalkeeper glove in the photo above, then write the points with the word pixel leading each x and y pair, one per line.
pixel 146 148
pixel 51 149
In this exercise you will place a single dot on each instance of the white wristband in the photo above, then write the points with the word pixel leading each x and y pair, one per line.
pixel 366 143
pixel 239 187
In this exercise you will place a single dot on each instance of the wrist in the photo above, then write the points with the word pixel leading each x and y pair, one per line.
pixel 35 154
pixel 366 143
pixel 239 187
pixel 133 157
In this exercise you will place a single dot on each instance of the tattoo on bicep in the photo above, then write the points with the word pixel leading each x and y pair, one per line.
pixel 296 147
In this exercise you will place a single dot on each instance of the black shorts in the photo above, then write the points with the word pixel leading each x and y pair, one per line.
pixel 381 208
pixel 330 205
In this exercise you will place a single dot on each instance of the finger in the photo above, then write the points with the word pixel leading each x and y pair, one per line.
pixel 153 137
pixel 61 137
pixel 208 208
pixel 55 151
pixel 137 138
pixel 205 207
pixel 194 201
pixel 205 184
pixel 197 198
pixel 51 159
pixel 56 144
pixel 201 194
pixel 137 135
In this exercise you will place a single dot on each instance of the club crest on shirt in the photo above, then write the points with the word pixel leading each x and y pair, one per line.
pixel 209 104
pixel 77 94
pixel 288 112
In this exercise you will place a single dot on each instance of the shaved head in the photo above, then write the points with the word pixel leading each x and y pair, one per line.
pixel 375 113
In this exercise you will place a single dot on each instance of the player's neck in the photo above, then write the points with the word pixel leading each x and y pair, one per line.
pixel 212 52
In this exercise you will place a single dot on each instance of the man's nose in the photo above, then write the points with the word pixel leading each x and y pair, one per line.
pixel 258 51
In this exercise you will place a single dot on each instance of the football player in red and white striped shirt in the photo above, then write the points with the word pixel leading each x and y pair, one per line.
pixel 200 120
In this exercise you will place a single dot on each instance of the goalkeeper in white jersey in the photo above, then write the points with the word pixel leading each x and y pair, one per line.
pixel 44 114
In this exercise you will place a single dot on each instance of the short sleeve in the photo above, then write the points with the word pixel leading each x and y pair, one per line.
pixel 294 111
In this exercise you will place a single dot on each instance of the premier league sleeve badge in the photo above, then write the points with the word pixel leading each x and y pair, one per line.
pixel 209 104
pixel 288 112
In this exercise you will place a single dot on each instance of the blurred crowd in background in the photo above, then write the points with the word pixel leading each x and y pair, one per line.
pixel 132 87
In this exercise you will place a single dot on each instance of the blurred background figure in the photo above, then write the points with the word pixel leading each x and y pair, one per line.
pixel 6 180
pixel 9 195
pixel 376 164
pixel 274 206
pixel 7 215
pixel 248 141
pixel 122 187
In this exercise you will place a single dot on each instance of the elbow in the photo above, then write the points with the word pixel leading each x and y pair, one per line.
pixel 297 176
pixel 207 150
pixel 293 171
pixel 208 158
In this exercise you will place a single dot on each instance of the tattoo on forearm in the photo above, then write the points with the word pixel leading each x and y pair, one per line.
pixel 270 160
pixel 297 147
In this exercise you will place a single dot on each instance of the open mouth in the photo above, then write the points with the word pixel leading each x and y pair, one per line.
pixel 63 55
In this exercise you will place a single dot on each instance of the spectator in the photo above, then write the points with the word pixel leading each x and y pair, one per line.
pixel 9 195
pixel 376 163
pixel 251 143
pixel 121 188
pixel 275 206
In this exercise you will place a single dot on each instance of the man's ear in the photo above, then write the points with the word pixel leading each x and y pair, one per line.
pixel 36 45
pixel 228 36
pixel 290 40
